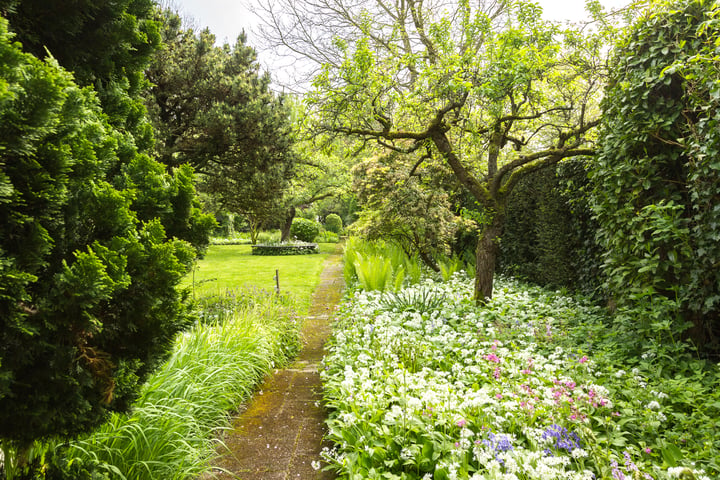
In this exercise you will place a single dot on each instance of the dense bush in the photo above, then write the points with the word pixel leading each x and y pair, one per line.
pixel 304 229
pixel 656 178
pixel 88 274
pixel 298 248
pixel 549 238
pixel 334 223
pixel 412 211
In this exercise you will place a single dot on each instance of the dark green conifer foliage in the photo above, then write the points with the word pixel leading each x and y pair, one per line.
pixel 213 109
pixel 105 44
pixel 88 299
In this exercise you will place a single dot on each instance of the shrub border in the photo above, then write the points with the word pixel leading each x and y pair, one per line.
pixel 285 249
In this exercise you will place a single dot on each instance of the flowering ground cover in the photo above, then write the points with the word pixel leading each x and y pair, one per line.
pixel 422 384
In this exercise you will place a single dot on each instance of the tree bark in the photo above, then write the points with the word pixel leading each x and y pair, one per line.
pixel 486 253
pixel 255 226
pixel 285 230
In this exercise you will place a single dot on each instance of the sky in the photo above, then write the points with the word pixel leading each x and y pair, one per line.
pixel 227 18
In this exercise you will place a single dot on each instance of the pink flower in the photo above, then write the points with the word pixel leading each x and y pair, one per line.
pixel 648 450
pixel 461 423
pixel 498 396
pixel 496 374
pixel 583 359
pixel 492 358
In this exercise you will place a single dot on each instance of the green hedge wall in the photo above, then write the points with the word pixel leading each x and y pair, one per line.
pixel 549 237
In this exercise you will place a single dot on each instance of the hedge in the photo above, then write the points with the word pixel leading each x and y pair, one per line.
pixel 286 249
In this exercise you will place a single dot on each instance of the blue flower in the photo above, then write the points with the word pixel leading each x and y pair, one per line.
pixel 564 439
pixel 498 443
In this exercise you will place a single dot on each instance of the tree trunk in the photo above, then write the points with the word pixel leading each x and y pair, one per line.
pixel 285 230
pixel 255 227
pixel 485 254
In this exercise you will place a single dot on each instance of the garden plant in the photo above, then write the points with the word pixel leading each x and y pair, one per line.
pixel 172 430
pixel 423 384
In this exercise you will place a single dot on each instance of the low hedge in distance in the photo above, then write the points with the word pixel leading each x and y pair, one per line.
pixel 286 249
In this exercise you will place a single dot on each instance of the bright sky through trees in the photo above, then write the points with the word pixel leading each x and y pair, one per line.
pixel 227 18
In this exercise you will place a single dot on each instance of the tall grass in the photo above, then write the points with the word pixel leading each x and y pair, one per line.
pixel 170 433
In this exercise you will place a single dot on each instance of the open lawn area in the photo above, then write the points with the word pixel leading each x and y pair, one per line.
pixel 230 267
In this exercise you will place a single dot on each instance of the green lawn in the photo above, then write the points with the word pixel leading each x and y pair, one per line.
pixel 231 267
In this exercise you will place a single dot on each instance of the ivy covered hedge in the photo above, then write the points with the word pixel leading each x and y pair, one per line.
pixel 286 249
pixel 655 180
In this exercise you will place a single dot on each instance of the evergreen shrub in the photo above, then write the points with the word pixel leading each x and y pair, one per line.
pixel 333 223
pixel 304 229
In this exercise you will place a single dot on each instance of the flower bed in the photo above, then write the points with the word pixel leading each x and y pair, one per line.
pixel 424 385
pixel 298 248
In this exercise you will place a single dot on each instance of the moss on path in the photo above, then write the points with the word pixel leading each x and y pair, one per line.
pixel 280 434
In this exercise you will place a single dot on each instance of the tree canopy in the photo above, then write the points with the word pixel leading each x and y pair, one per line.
pixel 489 87
pixel 213 109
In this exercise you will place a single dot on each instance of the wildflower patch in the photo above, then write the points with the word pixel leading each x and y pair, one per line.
pixel 453 391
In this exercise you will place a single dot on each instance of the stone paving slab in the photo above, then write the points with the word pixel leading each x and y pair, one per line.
pixel 280 433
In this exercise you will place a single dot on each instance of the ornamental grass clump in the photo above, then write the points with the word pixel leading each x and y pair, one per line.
pixel 215 366
pixel 532 385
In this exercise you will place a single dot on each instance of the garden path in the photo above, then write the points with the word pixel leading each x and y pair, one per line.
pixel 280 433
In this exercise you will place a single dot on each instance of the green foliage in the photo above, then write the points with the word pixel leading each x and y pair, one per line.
pixel 374 272
pixel 333 223
pixel 656 177
pixel 298 248
pixel 212 108
pixel 88 303
pixel 171 431
pixel 549 238
pixel 490 90
pixel 106 45
pixel 449 266
pixel 304 229
pixel 412 213
pixel 328 237
pixel 420 300
pixel 379 265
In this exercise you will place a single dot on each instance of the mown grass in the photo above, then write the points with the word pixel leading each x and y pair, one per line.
pixel 229 267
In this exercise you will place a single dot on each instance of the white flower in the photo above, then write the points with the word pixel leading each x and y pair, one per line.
pixel 578 453
pixel 315 465
pixel 654 405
